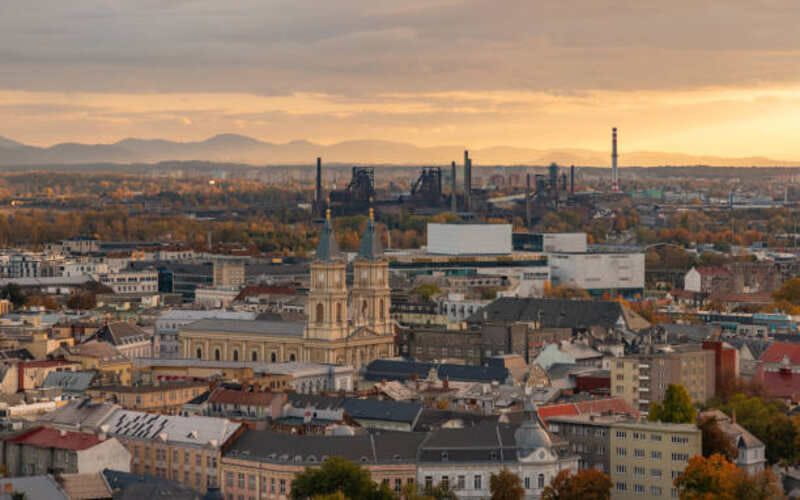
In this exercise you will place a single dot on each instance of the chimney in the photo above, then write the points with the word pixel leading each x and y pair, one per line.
pixel 467 180
pixel 318 189
pixel 572 179
pixel 453 189
pixel 528 201
pixel 614 158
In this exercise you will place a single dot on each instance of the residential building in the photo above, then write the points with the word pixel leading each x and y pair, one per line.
pixel 183 449
pixel 464 459
pixel 588 436
pixel 263 464
pixel 751 451
pixel 43 450
pixel 163 397
pixel 228 273
pixel 129 340
pixel 102 357
pixel 642 380
pixel 646 457
pixel 131 281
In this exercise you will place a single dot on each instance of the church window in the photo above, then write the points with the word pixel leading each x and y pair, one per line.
pixel 199 353
pixel 339 312
pixel 383 310
pixel 320 313
pixel 541 481
pixel 292 357
pixel 364 309
pixel 216 355
pixel 254 356
pixel 273 357
pixel 235 355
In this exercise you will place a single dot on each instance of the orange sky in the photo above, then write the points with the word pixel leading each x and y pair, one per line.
pixel 692 76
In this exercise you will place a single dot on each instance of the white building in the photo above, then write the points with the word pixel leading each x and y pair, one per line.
pixel 169 322
pixel 598 273
pixel 469 239
pixel 313 378
pixel 131 281
pixel 215 297
pixel 465 459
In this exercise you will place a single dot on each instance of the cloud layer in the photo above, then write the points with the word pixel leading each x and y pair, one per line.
pixel 541 74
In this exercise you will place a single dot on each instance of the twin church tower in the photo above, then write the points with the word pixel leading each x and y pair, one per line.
pixel 349 327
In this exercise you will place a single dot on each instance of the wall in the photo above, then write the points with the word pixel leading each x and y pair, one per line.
pixel 459 239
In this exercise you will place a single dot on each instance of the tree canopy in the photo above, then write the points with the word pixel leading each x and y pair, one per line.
pixel 505 485
pixel 676 408
pixel 587 484
pixel 337 475
pixel 768 422
pixel 715 477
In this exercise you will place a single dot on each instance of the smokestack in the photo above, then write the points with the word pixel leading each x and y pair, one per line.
pixel 528 201
pixel 453 195
pixel 467 180
pixel 572 179
pixel 318 190
pixel 614 158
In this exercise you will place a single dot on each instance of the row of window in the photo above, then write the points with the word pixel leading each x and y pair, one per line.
pixel 640 489
pixel 641 436
pixel 273 356
pixel 249 482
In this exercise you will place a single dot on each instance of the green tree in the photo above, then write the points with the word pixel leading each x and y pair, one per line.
pixel 767 420
pixel 337 475
pixel 13 293
pixel 505 485
pixel 587 484
pixel 677 407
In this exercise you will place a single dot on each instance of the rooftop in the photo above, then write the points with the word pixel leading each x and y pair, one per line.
pixel 44 437
pixel 194 430
pixel 279 328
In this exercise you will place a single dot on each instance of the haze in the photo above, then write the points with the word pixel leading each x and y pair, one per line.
pixel 692 76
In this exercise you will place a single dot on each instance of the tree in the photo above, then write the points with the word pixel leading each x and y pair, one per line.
pixel 788 292
pixel 337 475
pixel 505 485
pixel 717 478
pixel 13 293
pixel 715 442
pixel 82 300
pixel 766 420
pixel 440 492
pixel 676 409
pixel 587 484
pixel 565 292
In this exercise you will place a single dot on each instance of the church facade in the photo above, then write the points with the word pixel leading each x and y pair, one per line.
pixel 346 327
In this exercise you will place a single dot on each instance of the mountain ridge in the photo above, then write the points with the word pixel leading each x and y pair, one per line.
pixel 244 149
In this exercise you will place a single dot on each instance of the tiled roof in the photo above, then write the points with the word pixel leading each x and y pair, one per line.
pixel 782 384
pixel 778 350
pixel 44 437
pixel 599 406
pixel 69 381
pixel 192 430
pixel 390 369
pixel 85 486
pixel 553 313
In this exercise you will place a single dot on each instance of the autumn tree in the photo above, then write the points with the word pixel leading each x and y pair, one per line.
pixel 505 485
pixel 565 292
pixel 676 408
pixel 587 484
pixel 766 420
pixel 13 293
pixel 715 477
pixel 337 475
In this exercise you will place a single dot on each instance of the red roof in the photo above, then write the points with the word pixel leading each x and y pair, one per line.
pixel 221 395
pixel 605 405
pixel 44 437
pixel 712 271
pixel 778 350
pixel 781 384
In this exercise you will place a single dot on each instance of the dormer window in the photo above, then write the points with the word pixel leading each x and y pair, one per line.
pixel 492 455
pixel 444 456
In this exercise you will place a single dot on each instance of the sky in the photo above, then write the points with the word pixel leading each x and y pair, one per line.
pixel 693 76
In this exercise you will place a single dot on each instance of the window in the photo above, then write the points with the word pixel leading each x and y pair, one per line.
pixel 254 356
pixel 235 355
pixel 680 439
pixel 655 473
pixel 382 309
pixel 398 485
pixel 198 460
pixel 199 353
pixel 680 457
pixel 320 313
pixel 251 482
pixel 445 483
pixel 621 469
pixel 217 355
pixel 338 312
pixel 229 479
pixel 462 482
pixel 476 482
pixel 638 452
pixel 638 471
pixel 621 434
pixel 527 483
pixel 272 485
pixel 621 452
pixel 638 489
pixel 622 486
pixel 428 482
pixel 655 491
pixel 273 357
pixel 240 480
pixel 540 482
pixel 655 455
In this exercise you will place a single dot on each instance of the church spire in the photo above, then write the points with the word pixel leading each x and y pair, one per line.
pixel 370 248
pixel 328 248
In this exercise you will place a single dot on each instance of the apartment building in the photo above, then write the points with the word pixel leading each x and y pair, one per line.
pixel 131 281
pixel 642 380
pixel 184 449
pixel 588 436
pixel 646 457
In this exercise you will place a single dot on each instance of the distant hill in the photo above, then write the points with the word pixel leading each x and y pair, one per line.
pixel 243 149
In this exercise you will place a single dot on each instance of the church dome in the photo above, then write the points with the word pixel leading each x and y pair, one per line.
pixel 530 437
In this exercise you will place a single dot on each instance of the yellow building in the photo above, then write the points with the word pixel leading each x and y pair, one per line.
pixel 646 457
pixel 165 397
pixel 342 327
pixel 112 367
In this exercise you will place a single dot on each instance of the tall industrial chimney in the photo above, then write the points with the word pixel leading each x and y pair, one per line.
pixel 467 180
pixel 572 179
pixel 453 190
pixel 614 157
pixel 528 201
pixel 318 204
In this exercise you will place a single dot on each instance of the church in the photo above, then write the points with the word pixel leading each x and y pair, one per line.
pixel 348 327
